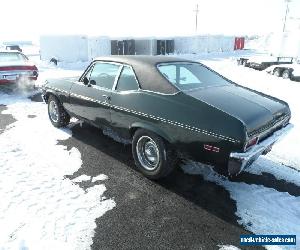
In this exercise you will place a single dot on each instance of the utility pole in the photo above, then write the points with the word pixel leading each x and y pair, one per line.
pixel 286 14
pixel 196 12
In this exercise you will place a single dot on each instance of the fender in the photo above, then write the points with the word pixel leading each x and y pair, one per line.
pixel 47 92
pixel 61 95
pixel 151 128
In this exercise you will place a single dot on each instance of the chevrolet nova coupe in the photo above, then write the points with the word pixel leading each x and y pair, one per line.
pixel 170 107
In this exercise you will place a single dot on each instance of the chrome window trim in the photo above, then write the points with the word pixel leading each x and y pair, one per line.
pixel 159 93
pixel 92 65
pixel 117 77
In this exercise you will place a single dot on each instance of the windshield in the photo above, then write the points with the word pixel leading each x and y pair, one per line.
pixel 11 57
pixel 186 76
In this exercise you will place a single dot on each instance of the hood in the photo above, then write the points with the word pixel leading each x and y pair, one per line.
pixel 253 109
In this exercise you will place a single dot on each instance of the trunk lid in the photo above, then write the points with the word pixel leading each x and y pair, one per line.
pixel 17 65
pixel 253 109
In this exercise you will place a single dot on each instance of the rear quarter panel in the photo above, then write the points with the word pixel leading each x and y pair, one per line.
pixel 186 123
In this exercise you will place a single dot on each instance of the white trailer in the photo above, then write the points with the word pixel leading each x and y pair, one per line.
pixel 286 45
pixel 284 59
pixel 204 44
pixel 73 48
pixel 68 49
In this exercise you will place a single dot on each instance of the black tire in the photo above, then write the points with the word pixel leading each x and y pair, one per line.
pixel 167 158
pixel 277 72
pixel 286 74
pixel 62 118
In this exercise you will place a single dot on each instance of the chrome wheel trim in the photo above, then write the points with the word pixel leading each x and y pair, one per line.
pixel 147 153
pixel 53 111
pixel 277 73
pixel 285 75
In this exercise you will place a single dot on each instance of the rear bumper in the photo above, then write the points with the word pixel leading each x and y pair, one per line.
pixel 239 161
pixel 5 81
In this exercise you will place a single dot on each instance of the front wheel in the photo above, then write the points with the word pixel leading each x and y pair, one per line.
pixel 152 155
pixel 57 114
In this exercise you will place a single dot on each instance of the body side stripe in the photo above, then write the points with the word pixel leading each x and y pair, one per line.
pixel 174 123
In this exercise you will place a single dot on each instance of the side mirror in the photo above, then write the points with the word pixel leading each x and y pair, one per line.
pixel 85 81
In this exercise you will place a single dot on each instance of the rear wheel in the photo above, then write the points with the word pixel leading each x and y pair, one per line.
pixel 152 155
pixel 286 74
pixel 57 114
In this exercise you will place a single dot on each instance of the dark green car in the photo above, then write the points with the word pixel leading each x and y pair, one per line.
pixel 170 107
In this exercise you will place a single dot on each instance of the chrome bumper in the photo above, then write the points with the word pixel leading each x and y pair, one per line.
pixel 239 161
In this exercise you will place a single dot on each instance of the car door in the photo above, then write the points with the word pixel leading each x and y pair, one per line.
pixel 90 96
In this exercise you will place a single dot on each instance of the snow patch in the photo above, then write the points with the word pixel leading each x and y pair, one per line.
pixel 228 247
pixel 100 177
pixel 261 210
pixel 266 164
pixel 40 208
pixel 82 178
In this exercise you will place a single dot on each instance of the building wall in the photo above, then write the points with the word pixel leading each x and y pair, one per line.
pixel 201 44
pixel 65 48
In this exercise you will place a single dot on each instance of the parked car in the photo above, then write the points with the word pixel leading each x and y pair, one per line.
pixel 15 66
pixel 169 107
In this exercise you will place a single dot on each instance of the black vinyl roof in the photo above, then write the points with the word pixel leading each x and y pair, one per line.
pixel 145 68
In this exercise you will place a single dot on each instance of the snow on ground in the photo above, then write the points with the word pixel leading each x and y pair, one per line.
pixel 261 210
pixel 228 247
pixel 40 208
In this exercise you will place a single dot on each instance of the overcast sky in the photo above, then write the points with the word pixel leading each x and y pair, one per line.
pixel 25 19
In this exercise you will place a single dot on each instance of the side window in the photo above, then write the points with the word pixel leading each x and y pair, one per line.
pixel 104 74
pixel 186 76
pixel 127 80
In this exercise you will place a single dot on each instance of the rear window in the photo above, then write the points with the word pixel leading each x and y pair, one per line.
pixel 11 57
pixel 187 76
